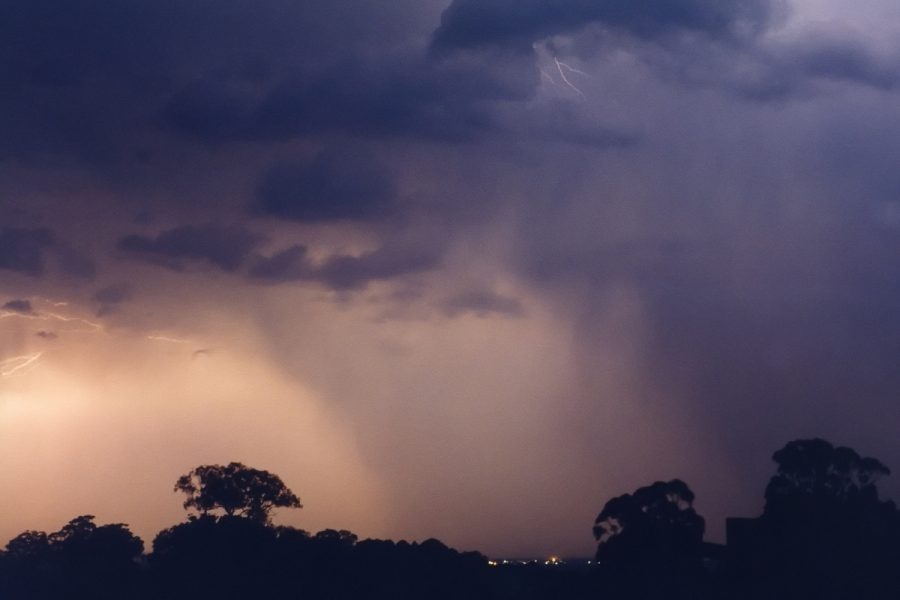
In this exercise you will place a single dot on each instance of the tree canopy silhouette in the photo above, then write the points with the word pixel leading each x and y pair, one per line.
pixel 237 490
pixel 81 560
pixel 814 473
pixel 824 532
pixel 656 522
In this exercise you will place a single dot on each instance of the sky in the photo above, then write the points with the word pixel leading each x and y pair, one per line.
pixel 462 269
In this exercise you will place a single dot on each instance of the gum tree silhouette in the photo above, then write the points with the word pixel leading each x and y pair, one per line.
pixel 237 490
pixel 215 557
pixel 336 538
pixel 815 476
pixel 81 560
pixel 824 529
pixel 650 543
pixel 656 523
pixel 824 532
pixel 229 549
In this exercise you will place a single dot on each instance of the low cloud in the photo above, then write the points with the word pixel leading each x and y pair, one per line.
pixel 333 186
pixel 345 272
pixel 110 297
pixel 290 264
pixel 224 247
pixel 449 99
pixel 483 303
pixel 114 294
pixel 75 264
pixel 769 70
pixel 22 307
pixel 518 23
pixel 388 262
pixel 22 250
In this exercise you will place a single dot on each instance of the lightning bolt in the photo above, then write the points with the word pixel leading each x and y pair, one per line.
pixel 562 68
pixel 18 365
pixel 52 302
pixel 92 326
pixel 171 340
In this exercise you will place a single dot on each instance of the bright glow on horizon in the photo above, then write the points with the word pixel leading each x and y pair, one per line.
pixel 109 422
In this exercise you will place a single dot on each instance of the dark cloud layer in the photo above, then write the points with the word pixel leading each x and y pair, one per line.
pixel 333 186
pixel 22 307
pixel 388 262
pixel 114 294
pixel 22 249
pixel 110 297
pixel 468 23
pixel 823 57
pixel 346 272
pixel 453 99
pixel 769 72
pixel 225 247
pixel 290 264
pixel 87 82
pixel 483 303
pixel 96 85
pixel 75 263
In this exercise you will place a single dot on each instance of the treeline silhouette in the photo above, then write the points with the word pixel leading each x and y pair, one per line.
pixel 824 533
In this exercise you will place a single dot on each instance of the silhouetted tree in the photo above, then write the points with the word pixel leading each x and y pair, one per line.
pixel 29 570
pixel 28 544
pixel 813 473
pixel 824 532
pixel 235 489
pixel 334 537
pixel 81 560
pixel 108 544
pixel 655 523
pixel 651 544
pixel 215 557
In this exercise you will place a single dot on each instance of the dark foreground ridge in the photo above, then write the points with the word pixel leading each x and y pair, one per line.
pixel 824 534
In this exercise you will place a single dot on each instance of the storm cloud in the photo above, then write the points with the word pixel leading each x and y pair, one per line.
pixel 225 247
pixel 346 272
pixel 483 303
pixel 23 250
pixel 331 187
pixel 507 259
pixel 479 23
pixel 22 307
